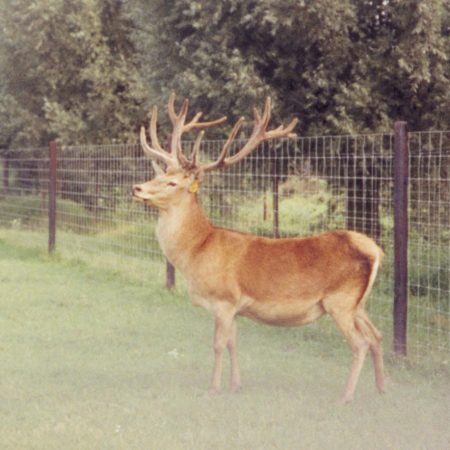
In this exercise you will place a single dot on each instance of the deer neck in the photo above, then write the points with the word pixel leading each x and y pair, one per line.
pixel 181 231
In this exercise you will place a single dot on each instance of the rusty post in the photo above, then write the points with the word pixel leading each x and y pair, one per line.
pixel 401 175
pixel 170 275
pixel 170 269
pixel 52 186
pixel 265 206
pixel 275 196
pixel 97 190
pixel 6 175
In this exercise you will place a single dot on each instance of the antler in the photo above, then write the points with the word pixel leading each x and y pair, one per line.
pixel 158 152
pixel 175 157
pixel 194 123
pixel 259 134
pixel 178 122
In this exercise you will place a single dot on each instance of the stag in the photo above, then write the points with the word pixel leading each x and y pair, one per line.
pixel 284 282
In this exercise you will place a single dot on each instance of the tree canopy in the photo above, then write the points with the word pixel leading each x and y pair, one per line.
pixel 69 70
pixel 88 71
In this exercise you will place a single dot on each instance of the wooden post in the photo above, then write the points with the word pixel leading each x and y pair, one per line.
pixel 97 190
pixel 52 185
pixel 401 175
pixel 275 196
pixel 170 269
pixel 6 175
pixel 170 276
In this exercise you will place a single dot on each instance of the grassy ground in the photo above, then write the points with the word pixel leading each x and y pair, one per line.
pixel 93 359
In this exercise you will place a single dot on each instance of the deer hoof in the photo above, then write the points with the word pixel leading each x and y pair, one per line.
pixel 235 387
pixel 213 390
pixel 346 399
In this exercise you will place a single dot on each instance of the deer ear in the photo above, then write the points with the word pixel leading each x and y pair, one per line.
pixel 198 175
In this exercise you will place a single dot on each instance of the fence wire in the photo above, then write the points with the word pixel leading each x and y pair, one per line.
pixel 429 242
pixel 294 187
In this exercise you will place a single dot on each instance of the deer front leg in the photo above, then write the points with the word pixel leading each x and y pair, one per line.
pixel 224 318
pixel 235 384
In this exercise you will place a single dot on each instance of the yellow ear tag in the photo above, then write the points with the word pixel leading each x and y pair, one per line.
pixel 193 188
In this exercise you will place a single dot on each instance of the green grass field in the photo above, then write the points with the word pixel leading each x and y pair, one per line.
pixel 96 359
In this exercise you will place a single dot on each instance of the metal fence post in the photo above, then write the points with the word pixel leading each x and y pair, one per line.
pixel 275 196
pixel 401 176
pixel 6 174
pixel 170 275
pixel 52 185
pixel 170 269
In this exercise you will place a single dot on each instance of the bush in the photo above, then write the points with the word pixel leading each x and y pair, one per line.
pixel 29 211
pixel 303 205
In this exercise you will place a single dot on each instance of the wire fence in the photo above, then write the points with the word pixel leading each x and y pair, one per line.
pixel 294 187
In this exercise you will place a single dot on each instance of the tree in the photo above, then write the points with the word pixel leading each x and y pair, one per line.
pixel 343 67
pixel 69 70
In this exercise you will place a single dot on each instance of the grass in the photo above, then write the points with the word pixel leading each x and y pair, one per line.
pixel 93 358
pixel 124 241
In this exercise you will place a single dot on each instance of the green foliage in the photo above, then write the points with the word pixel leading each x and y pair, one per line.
pixel 80 228
pixel 31 211
pixel 86 71
pixel 429 267
pixel 302 208
pixel 18 211
pixel 69 70
pixel 347 66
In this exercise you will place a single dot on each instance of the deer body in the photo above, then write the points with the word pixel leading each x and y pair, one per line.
pixel 274 281
pixel 283 282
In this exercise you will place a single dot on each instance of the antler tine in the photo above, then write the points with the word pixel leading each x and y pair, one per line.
pixel 171 107
pixel 194 123
pixel 258 135
pixel 257 115
pixel 282 131
pixel 175 147
pixel 178 124
pixel 223 154
pixel 153 153
pixel 184 108
pixel 263 120
pixel 174 117
pixel 196 149
pixel 153 130
pixel 267 112
pixel 194 120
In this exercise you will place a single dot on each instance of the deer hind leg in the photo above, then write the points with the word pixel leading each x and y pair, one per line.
pixel 224 335
pixel 346 321
pixel 376 348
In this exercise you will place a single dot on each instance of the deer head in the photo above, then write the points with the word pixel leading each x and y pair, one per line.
pixel 183 174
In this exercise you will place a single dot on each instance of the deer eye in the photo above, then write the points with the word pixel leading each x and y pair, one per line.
pixel 171 183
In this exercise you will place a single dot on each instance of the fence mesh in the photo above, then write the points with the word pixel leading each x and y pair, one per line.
pixel 294 187
pixel 429 243
pixel 24 181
